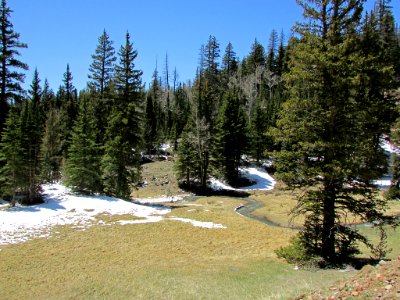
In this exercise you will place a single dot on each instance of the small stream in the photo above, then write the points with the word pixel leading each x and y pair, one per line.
pixel 251 206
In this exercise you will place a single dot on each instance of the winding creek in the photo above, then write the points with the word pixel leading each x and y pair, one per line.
pixel 252 205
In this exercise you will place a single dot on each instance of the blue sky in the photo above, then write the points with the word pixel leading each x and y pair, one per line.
pixel 59 32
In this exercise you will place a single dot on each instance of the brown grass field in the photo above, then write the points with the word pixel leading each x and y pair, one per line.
pixel 169 259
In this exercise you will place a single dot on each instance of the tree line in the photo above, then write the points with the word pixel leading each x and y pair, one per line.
pixel 317 104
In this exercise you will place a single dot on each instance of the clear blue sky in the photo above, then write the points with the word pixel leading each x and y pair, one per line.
pixel 66 31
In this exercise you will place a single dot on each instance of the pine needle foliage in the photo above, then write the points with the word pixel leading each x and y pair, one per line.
pixel 330 127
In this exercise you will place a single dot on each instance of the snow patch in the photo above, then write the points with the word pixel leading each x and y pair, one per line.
pixel 165 147
pixel 263 181
pixel 62 207
pixel 389 147
pixel 166 199
pixel 209 225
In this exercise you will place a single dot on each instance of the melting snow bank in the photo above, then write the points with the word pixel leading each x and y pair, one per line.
pixel 263 181
pixel 198 223
pixel 168 199
pixel 61 207
pixel 209 225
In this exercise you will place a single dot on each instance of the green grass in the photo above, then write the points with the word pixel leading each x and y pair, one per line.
pixel 165 260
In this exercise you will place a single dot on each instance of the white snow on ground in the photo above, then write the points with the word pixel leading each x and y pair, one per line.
pixel 198 223
pixel 62 207
pixel 165 147
pixel 384 182
pixel 389 147
pixel 218 185
pixel 263 181
pixel 167 199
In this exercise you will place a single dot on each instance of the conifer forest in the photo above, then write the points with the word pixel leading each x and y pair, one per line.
pixel 314 105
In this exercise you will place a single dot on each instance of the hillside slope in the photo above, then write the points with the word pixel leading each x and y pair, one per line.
pixel 379 282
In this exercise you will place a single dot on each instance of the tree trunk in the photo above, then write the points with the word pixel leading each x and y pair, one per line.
pixel 328 225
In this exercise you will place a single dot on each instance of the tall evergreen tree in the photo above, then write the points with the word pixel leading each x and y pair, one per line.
pixel 12 157
pixel 386 27
pixel 168 106
pixel 153 115
pixel 330 127
pixel 255 59
pixel 181 112
pixel 280 59
pixel 82 166
pixel 31 133
pixel 127 77
pixel 231 138
pixel 51 151
pixel 259 126
pixel 35 91
pixel 47 100
pixel 69 107
pixel 210 85
pixel 10 66
pixel 194 152
pixel 102 68
pixel 120 163
pixel 101 87
pixel 272 51
pixel 229 60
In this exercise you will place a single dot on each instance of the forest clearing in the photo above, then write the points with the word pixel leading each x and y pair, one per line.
pixel 267 173
pixel 148 252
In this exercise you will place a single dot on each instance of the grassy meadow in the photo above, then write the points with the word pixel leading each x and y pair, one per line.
pixel 168 259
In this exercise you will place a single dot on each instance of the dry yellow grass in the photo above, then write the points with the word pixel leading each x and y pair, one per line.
pixel 278 204
pixel 161 180
pixel 277 207
pixel 165 260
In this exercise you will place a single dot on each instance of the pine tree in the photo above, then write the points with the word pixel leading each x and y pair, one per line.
pixel 52 148
pixel 272 51
pixel 127 78
pixel 31 134
pixel 386 27
pixel 68 109
pixel 120 163
pixel 280 59
pixel 255 59
pixel 102 68
pixel 259 126
pixel 35 91
pixel 10 77
pixel 11 157
pixel 229 61
pixel 150 135
pixel 187 166
pixel 82 166
pixel 194 152
pixel 210 85
pixel 231 138
pixel 330 128
pixel 168 106
pixel 181 112
pixel 47 100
